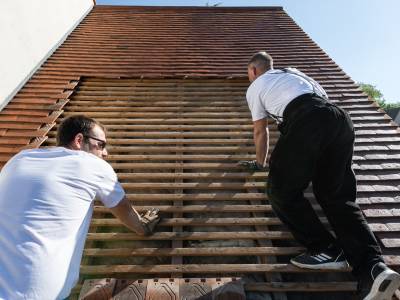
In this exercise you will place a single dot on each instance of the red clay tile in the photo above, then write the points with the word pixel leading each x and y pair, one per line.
pixel 196 288
pixel 130 290
pixel 162 289
pixel 228 289
pixel 98 289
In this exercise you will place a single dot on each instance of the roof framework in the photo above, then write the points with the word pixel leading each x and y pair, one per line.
pixel 169 84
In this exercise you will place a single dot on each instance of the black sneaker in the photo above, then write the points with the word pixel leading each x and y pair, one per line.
pixel 328 259
pixel 381 284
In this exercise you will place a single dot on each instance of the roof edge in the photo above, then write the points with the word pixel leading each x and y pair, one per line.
pixel 193 7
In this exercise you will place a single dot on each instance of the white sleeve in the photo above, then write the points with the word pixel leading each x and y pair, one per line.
pixel 110 191
pixel 256 106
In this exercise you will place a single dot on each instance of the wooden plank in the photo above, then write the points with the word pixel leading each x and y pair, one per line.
pixel 111 270
pixel 157 120
pixel 150 109
pixel 197 197
pixel 121 127
pixel 216 141
pixel 197 222
pixel 193 185
pixel 187 236
pixel 198 208
pixel 215 251
pixel 165 166
pixel 204 114
pixel 307 287
pixel 167 135
pixel 135 102
pixel 194 175
pixel 164 157
pixel 187 149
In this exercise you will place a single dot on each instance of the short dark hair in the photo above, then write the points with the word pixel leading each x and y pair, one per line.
pixel 261 60
pixel 73 125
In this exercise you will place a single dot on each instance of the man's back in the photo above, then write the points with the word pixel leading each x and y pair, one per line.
pixel 46 200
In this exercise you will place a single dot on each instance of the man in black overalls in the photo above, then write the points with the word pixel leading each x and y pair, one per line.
pixel 315 145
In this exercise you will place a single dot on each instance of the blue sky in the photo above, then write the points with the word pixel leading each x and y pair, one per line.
pixel 361 36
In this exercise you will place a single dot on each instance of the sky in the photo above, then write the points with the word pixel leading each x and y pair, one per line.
pixel 361 36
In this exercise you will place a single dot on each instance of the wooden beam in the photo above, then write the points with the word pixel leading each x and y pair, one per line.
pixel 192 236
pixel 111 270
pixel 216 251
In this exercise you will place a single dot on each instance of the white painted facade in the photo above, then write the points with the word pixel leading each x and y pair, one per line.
pixel 30 31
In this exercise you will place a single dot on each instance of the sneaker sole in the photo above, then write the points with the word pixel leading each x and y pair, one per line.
pixel 384 286
pixel 327 266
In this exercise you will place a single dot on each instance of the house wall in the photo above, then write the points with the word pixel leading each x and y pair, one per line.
pixel 30 31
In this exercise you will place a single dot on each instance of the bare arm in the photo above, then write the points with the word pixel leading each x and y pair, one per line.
pixel 261 140
pixel 130 217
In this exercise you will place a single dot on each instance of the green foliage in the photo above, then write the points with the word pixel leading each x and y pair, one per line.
pixel 377 95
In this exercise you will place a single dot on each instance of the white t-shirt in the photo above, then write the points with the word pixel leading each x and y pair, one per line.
pixel 46 203
pixel 273 90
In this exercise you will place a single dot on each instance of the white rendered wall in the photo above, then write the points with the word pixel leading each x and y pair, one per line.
pixel 30 31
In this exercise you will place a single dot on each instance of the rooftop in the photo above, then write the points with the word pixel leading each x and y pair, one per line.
pixel 169 84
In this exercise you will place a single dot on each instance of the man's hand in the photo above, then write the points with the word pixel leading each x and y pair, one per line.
pixel 150 219
pixel 252 165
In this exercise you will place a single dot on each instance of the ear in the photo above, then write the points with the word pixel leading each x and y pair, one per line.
pixel 253 71
pixel 77 142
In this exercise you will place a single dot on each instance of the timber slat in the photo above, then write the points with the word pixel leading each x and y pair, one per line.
pixel 197 222
pixel 197 197
pixel 301 286
pixel 231 251
pixel 202 175
pixel 200 236
pixel 197 185
pixel 198 208
pixel 199 269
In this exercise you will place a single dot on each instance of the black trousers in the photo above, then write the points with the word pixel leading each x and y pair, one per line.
pixel 316 145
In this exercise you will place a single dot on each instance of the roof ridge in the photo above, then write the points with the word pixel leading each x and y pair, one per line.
pixel 193 7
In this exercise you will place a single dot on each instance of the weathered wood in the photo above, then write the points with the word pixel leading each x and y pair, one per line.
pixel 187 149
pixel 197 222
pixel 186 236
pixel 198 208
pixel 155 157
pixel 195 175
pixel 176 134
pixel 151 141
pixel 301 287
pixel 175 120
pixel 230 251
pixel 197 197
pixel 198 269
pixel 195 185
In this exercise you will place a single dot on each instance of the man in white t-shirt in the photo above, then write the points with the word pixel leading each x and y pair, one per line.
pixel 315 145
pixel 46 204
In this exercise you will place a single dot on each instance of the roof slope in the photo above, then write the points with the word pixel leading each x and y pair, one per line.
pixel 153 42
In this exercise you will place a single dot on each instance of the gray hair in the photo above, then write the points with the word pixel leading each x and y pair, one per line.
pixel 261 60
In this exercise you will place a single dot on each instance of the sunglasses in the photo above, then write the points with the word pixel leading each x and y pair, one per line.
pixel 102 144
